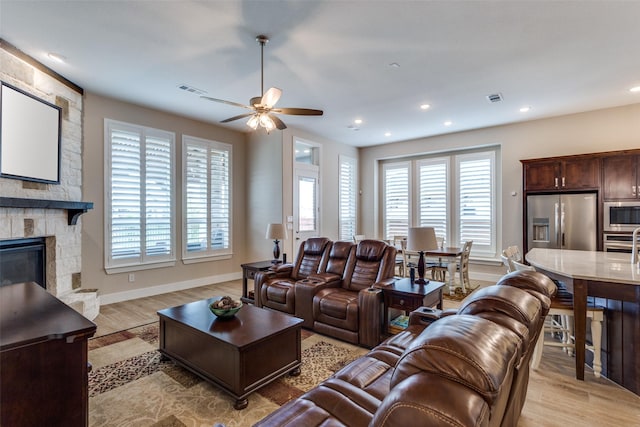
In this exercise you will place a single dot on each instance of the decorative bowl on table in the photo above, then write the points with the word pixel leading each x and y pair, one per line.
pixel 225 307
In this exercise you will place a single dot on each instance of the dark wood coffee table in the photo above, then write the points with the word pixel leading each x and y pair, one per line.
pixel 240 354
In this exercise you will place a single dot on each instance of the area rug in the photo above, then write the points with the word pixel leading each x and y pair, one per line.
pixel 129 384
pixel 458 295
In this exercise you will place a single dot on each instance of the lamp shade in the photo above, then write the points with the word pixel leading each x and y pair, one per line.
pixel 421 239
pixel 276 232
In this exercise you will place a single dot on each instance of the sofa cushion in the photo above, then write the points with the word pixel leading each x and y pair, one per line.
pixel 449 348
pixel 336 307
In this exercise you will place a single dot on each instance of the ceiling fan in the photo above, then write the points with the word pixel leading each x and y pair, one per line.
pixel 263 111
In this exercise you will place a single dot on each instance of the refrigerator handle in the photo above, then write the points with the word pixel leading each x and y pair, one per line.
pixel 557 222
pixel 561 225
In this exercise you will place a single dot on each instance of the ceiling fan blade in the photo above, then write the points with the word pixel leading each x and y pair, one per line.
pixel 298 111
pixel 226 102
pixel 241 116
pixel 271 97
pixel 279 123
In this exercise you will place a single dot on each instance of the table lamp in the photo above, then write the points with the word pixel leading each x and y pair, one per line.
pixel 421 239
pixel 276 232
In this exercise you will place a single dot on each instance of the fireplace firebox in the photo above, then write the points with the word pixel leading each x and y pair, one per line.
pixel 23 260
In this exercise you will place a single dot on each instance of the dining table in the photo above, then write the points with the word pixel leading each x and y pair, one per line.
pixel 451 255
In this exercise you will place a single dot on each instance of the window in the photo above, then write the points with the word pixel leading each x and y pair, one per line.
pixel 433 188
pixel 207 198
pixel 347 216
pixel 139 196
pixel 476 200
pixel 396 199
pixel 455 194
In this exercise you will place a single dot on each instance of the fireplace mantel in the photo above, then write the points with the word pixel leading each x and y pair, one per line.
pixel 74 209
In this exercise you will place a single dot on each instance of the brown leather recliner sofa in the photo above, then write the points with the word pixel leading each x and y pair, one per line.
pixel 275 289
pixel 331 287
pixel 468 367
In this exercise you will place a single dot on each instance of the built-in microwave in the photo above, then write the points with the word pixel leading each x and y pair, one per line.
pixel 621 216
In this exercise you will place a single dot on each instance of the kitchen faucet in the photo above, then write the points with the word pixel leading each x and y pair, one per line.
pixel 634 247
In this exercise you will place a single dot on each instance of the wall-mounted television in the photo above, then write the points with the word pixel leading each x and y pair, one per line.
pixel 29 137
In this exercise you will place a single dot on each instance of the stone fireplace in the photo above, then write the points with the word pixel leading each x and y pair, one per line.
pixel 50 212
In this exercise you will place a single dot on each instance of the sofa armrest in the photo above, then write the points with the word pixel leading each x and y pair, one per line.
pixel 262 276
pixel 282 268
pixel 389 281
pixel 325 277
pixel 424 316
pixel 370 316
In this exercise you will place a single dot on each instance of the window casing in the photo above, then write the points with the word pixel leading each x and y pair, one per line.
pixel 455 193
pixel 348 195
pixel 207 213
pixel 139 196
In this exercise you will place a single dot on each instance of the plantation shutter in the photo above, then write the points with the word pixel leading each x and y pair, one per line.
pixel 476 200
pixel 139 198
pixel 126 203
pixel 396 199
pixel 207 199
pixel 433 207
pixel 348 193
pixel 159 200
pixel 220 198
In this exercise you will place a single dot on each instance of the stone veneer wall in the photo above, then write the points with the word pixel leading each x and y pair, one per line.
pixel 64 241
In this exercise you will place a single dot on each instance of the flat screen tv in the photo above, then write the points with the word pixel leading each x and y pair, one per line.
pixel 29 137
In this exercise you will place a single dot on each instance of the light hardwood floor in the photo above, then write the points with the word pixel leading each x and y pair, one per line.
pixel 554 398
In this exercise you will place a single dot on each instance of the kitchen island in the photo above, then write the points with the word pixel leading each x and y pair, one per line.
pixel 615 285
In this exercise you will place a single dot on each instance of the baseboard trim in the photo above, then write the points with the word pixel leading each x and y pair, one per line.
pixel 166 288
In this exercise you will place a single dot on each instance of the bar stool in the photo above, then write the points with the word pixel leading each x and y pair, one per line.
pixel 562 308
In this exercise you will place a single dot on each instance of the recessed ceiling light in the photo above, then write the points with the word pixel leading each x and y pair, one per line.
pixel 425 106
pixel 357 121
pixel 387 134
pixel 56 57
pixel 525 109
pixel 635 89
pixel 448 123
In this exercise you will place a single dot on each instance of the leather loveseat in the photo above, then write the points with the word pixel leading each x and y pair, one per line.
pixel 331 287
pixel 468 367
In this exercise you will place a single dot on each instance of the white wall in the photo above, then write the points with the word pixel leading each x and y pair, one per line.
pixel 596 131
pixel 116 287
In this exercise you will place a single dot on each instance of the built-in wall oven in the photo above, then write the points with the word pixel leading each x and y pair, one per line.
pixel 617 242
pixel 621 216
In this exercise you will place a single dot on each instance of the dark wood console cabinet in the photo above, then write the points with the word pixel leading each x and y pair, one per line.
pixel 43 359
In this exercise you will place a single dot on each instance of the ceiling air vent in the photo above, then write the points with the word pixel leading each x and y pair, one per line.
pixel 494 97
pixel 192 89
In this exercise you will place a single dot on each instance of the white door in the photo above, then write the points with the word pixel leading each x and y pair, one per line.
pixel 306 204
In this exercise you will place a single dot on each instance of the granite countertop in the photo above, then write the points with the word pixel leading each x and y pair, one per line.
pixel 590 265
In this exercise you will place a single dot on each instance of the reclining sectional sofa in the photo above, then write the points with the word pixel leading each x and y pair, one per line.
pixel 331 287
pixel 468 367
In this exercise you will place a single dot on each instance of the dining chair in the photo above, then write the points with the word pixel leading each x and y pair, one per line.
pixel 439 271
pixel 559 322
pixel 400 243
pixel 509 255
pixel 357 238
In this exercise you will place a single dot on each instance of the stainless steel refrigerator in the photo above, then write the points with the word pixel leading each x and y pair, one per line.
pixel 562 221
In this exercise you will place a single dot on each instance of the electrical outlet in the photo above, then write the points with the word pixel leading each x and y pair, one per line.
pixel 132 277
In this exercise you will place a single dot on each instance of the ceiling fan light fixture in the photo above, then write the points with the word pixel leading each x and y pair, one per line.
pixel 253 122
pixel 266 122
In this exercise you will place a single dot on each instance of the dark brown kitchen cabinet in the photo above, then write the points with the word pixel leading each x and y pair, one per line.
pixel 579 173
pixel 621 177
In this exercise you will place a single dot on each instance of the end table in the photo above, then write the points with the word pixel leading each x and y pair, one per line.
pixel 249 271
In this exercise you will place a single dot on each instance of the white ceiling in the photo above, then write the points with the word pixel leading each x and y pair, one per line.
pixel 559 57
